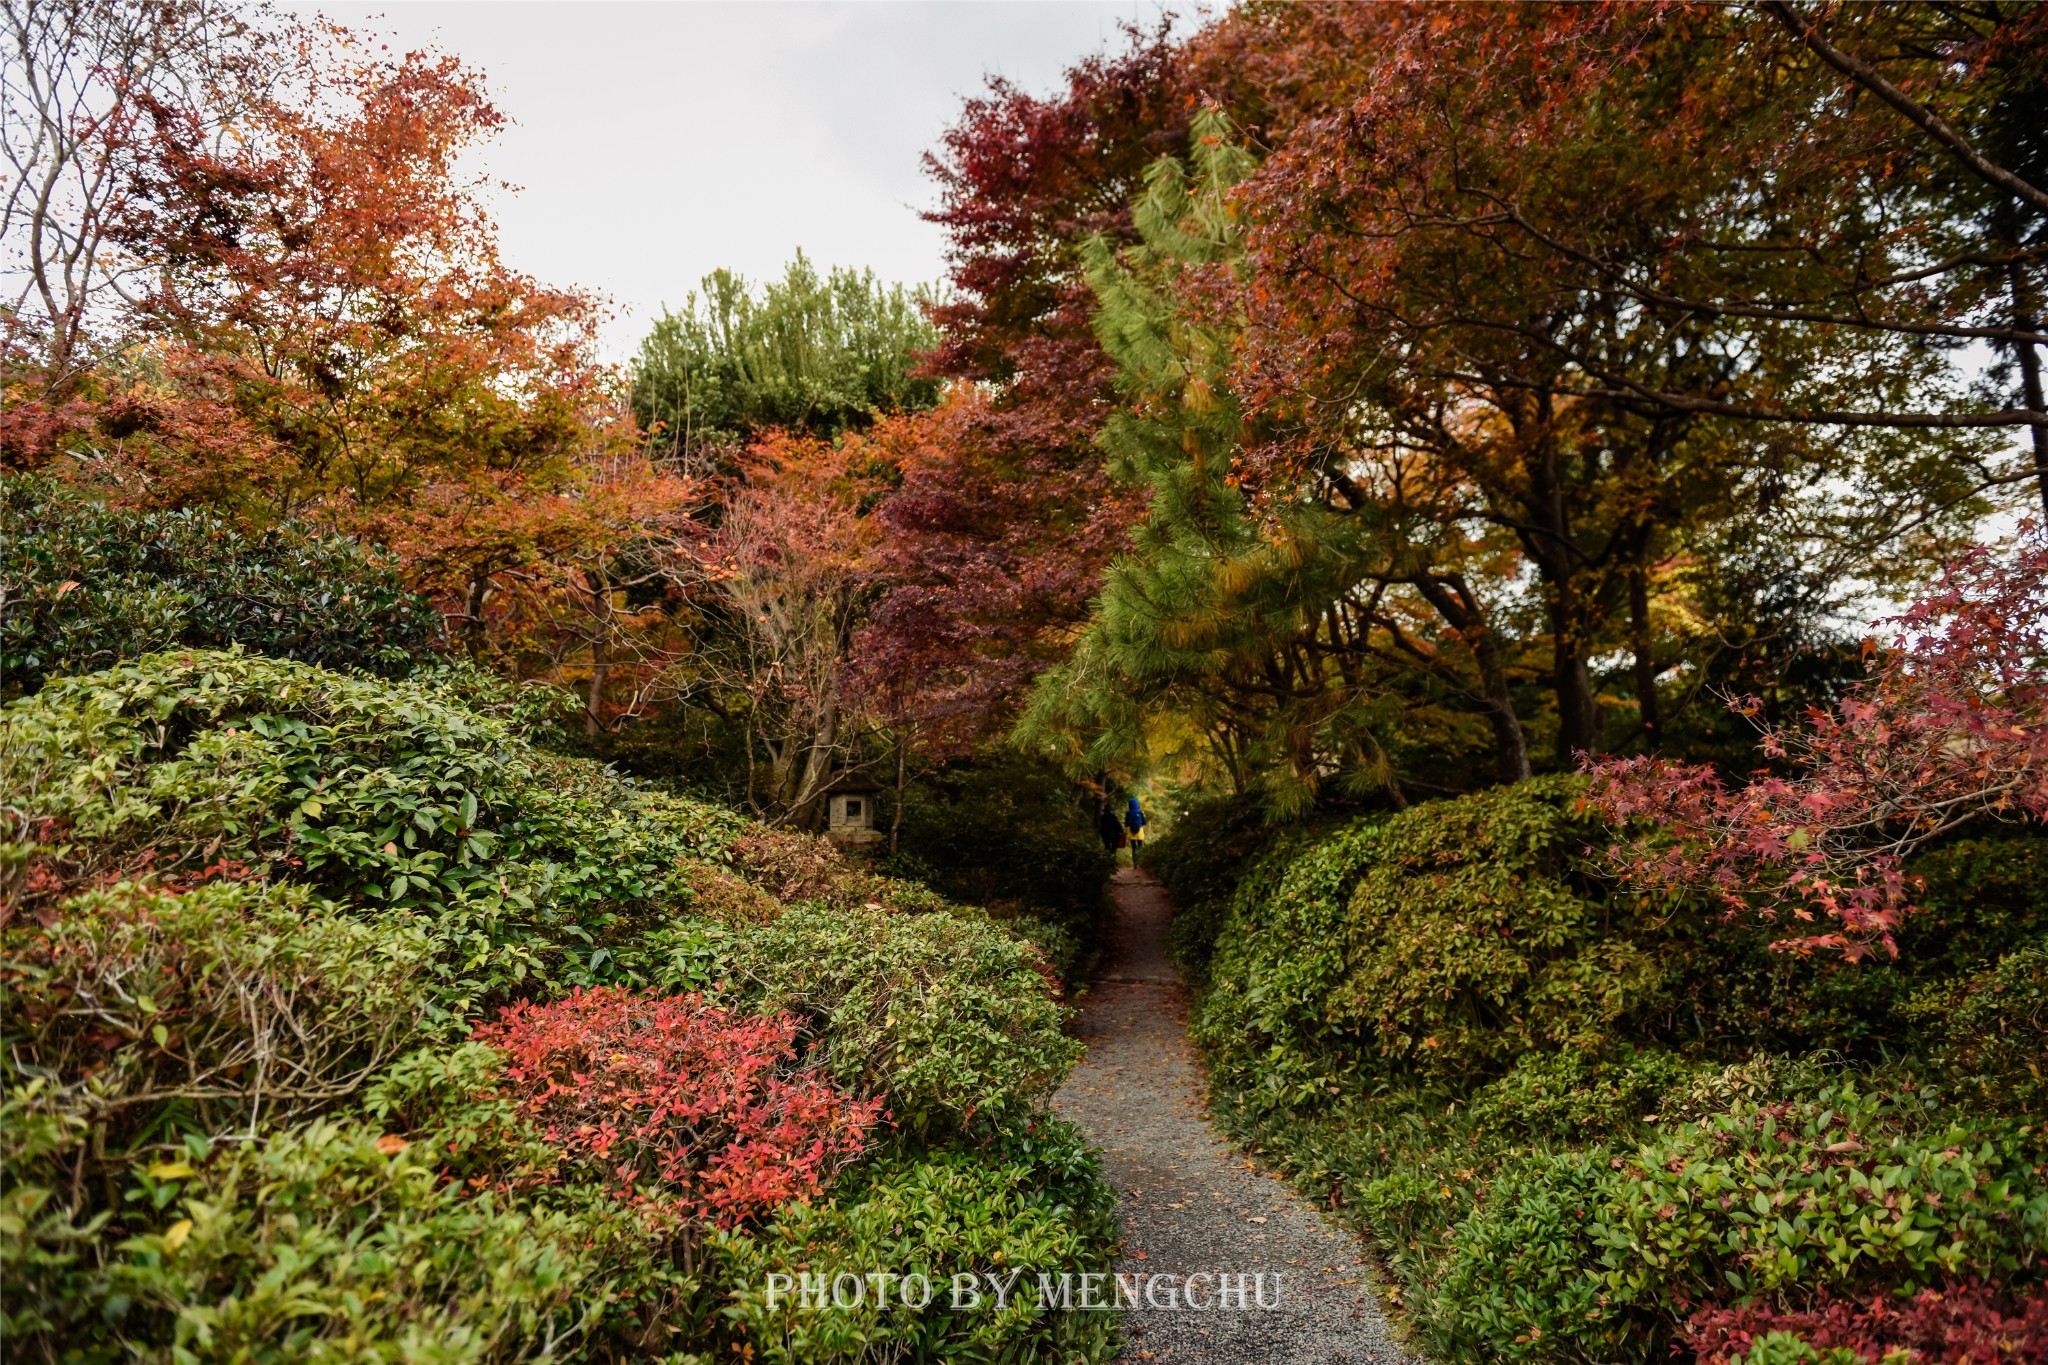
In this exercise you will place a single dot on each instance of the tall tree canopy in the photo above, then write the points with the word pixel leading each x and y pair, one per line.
pixel 261 283
pixel 1533 361
pixel 820 354
pixel 996 538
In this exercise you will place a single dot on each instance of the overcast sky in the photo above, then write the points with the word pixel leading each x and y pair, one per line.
pixel 654 142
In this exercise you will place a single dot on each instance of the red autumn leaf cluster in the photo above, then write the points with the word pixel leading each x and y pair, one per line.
pixel 994 541
pixel 1951 725
pixel 1966 1324
pixel 700 1112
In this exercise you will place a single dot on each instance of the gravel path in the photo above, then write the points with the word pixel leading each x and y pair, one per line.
pixel 1189 1201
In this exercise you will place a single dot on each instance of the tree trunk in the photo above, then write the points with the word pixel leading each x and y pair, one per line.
pixel 1390 781
pixel 600 667
pixel 896 816
pixel 1547 536
pixel 1465 614
pixel 1510 745
pixel 2026 318
pixel 1578 719
pixel 817 765
pixel 1639 640
pixel 473 603
pixel 600 653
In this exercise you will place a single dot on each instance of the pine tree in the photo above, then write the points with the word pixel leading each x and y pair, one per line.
pixel 1270 623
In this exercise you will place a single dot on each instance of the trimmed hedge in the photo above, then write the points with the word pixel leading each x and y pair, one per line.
pixel 1446 941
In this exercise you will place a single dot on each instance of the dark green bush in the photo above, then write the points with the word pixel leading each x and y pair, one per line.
pixel 88 585
pixel 1008 834
pixel 1994 1028
pixel 1592 1255
pixel 1731 994
pixel 1982 897
pixel 1576 1096
pixel 1194 859
pixel 1448 940
pixel 953 1021
pixel 1034 1203
pixel 1206 847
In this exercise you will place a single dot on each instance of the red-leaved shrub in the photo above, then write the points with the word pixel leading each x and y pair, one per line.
pixel 1966 1324
pixel 1950 726
pixel 701 1112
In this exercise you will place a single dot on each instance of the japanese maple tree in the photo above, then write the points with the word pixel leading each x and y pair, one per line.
pixel 998 533
pixel 1950 726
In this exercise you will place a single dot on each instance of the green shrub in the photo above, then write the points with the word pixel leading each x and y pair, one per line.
pixel 1983 897
pixel 237 889
pixel 328 1242
pixel 1448 939
pixel 1208 853
pixel 1262 1019
pixel 523 867
pixel 1521 1282
pixel 1580 1096
pixel 1995 1031
pixel 1587 1255
pixel 1199 923
pixel 1477 934
pixel 1034 1204
pixel 955 1022
pixel 1522 1084
pixel 145 1015
pixel 1008 834
pixel 89 585
pixel 1207 847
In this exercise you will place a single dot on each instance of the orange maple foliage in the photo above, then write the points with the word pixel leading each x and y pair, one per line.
pixel 330 332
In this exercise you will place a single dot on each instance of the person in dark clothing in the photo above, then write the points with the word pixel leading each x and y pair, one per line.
pixel 1111 829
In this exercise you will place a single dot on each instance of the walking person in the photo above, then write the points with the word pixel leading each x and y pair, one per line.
pixel 1134 822
pixel 1111 829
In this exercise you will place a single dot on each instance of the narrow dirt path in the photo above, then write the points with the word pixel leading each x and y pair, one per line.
pixel 1189 1201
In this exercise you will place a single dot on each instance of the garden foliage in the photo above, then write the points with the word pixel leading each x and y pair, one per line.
pixel 344 1023
pixel 1011 1206
pixel 89 584
pixel 1584 1123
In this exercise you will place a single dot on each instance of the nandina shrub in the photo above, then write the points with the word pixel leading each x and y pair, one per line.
pixel 1967 1323
pixel 699 1112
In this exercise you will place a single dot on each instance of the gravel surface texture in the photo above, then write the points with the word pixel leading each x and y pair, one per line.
pixel 1189 1201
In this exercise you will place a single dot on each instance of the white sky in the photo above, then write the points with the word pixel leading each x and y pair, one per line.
pixel 655 142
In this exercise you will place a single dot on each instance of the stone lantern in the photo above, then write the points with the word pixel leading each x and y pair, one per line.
pixel 850 811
